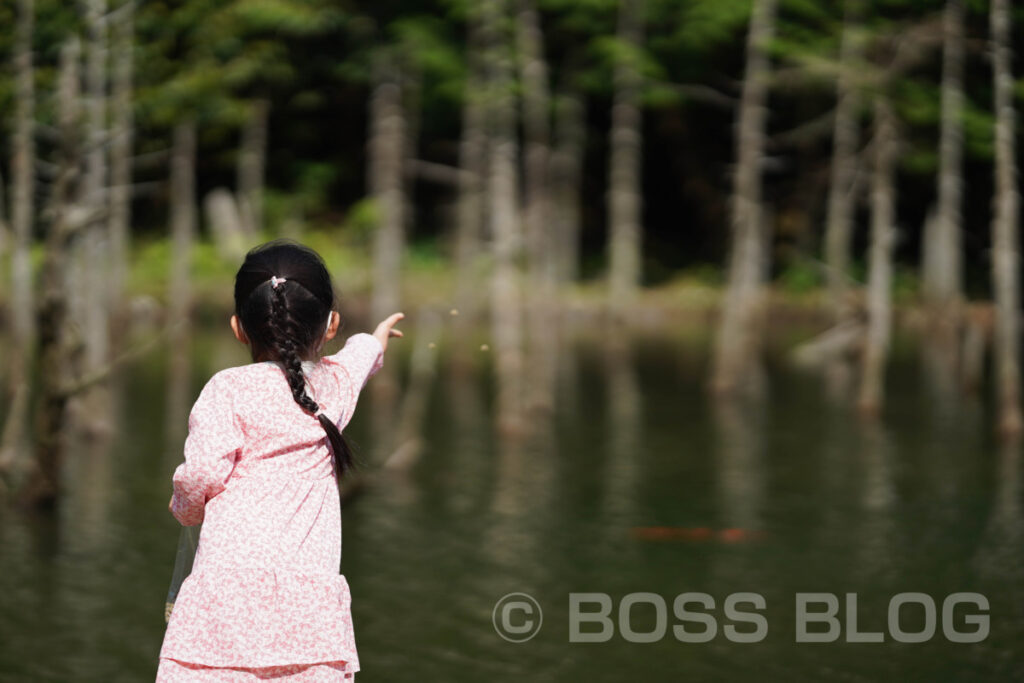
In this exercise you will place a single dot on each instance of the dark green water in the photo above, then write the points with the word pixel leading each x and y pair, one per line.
pixel 778 496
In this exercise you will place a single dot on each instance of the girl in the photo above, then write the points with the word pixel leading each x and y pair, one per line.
pixel 263 457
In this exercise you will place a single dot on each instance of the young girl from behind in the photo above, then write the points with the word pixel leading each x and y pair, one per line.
pixel 263 459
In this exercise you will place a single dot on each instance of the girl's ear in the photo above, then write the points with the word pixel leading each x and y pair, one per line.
pixel 236 327
pixel 332 329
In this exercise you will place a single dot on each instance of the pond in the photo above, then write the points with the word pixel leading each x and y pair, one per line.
pixel 634 485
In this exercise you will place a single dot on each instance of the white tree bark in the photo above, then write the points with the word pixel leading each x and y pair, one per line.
pixel 122 47
pixel 942 254
pixel 737 346
pixel 1005 228
pixel 841 200
pixel 94 253
pixel 625 202
pixel 183 221
pixel 23 183
pixel 251 169
pixel 387 187
pixel 472 170
pixel 502 209
pixel 879 304
pixel 566 182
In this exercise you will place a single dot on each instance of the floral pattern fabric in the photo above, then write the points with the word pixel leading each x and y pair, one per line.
pixel 265 597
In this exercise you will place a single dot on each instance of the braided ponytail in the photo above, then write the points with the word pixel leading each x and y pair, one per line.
pixel 283 317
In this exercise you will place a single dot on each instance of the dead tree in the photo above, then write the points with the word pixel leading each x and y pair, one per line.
pixel 1005 229
pixel 738 345
pixel 625 201
pixel 879 295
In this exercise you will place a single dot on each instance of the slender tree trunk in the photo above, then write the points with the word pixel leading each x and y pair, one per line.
pixel 179 295
pixel 122 44
pixel 251 170
pixel 942 254
pixel 502 209
pixel 94 253
pixel 387 187
pixel 1005 229
pixel 536 106
pixel 566 181
pixel 183 222
pixel 625 202
pixel 738 344
pixel 841 202
pixel 55 343
pixel 472 172
pixel 883 212
pixel 411 84
pixel 23 185
pixel 536 109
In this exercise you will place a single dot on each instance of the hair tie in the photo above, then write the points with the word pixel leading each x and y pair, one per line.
pixel 275 281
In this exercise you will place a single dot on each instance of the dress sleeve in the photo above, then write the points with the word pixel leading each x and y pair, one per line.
pixel 211 449
pixel 361 357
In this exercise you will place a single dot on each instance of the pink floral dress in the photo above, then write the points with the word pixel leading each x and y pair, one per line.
pixel 265 597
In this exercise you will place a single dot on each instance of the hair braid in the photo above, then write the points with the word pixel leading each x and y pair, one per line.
pixel 280 322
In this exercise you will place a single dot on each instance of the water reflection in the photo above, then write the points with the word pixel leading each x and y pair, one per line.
pixel 631 440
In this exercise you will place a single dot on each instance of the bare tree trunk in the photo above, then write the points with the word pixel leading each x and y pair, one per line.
pixel 502 208
pixel 625 209
pixel 841 202
pixel 738 344
pixel 1005 236
pixel 55 343
pixel 183 220
pixel 122 123
pixel 94 251
pixel 879 302
pixel 942 253
pixel 411 84
pixel 387 187
pixel 23 185
pixel 252 162
pixel 472 172
pixel 536 108
pixel 566 181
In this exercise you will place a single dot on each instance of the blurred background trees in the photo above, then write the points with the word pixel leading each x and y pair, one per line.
pixel 854 158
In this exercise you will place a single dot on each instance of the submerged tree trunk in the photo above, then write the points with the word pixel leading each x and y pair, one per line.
pixel 387 187
pixel 55 344
pixel 1005 235
pixel 472 172
pixel 841 200
pixel 183 222
pixel 121 147
pixel 23 187
pixel 879 303
pixel 566 182
pixel 738 344
pixel 536 108
pixel 251 170
pixel 625 201
pixel 502 209
pixel 94 251
pixel 942 254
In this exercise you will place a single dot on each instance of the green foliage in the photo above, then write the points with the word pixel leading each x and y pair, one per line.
pixel 800 276
pixel 362 219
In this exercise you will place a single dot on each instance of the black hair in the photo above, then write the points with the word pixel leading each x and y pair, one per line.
pixel 285 322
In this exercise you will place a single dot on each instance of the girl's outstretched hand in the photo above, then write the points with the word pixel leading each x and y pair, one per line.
pixel 386 329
